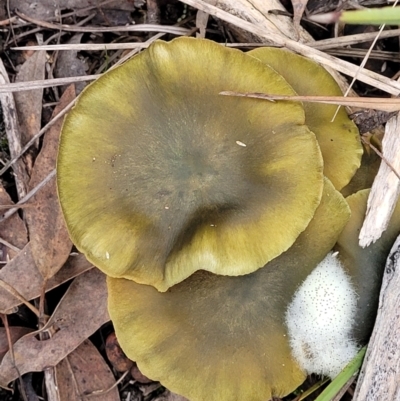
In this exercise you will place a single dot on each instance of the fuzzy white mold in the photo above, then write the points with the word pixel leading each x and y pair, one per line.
pixel 320 317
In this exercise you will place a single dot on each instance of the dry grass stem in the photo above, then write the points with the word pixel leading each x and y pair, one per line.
pixel 131 28
pixel 366 76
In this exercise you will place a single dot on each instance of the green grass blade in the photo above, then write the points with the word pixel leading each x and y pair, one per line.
pixel 342 378
pixel 374 16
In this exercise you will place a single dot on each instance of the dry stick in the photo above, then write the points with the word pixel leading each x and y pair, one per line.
pixel 131 28
pixel 34 138
pixel 29 195
pixel 13 133
pixel 4 319
pixel 366 76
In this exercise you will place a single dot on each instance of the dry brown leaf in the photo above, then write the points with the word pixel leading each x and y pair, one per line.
pixel 70 65
pixel 29 103
pixel 81 312
pixel 12 230
pixel 50 243
pixel 376 103
pixel 15 334
pixel 22 274
pixel 84 371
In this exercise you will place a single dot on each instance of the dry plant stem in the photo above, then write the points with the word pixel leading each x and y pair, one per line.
pixel 34 138
pixel 13 133
pixel 384 104
pixel 342 41
pixel 131 28
pixel 344 67
pixel 97 393
pixel 4 319
pixel 47 83
pixel 29 195
pixel 379 377
pixel 386 187
pixel 344 389
pixel 50 380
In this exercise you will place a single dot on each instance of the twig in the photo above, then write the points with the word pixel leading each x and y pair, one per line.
pixel 131 28
pixel 35 137
pixel 29 195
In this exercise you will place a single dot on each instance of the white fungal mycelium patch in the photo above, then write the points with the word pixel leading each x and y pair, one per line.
pixel 320 318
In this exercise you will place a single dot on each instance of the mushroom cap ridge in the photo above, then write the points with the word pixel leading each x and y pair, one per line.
pixel 154 182
pixel 224 333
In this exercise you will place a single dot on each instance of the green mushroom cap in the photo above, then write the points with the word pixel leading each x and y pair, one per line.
pixel 365 265
pixel 160 176
pixel 338 139
pixel 225 333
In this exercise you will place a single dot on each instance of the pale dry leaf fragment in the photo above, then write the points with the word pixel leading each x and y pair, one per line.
pixel 299 7
pixel 49 237
pixel 386 187
pixel 84 371
pixel 81 312
pixel 170 396
pixel 29 103
pixel 13 230
pixel 22 274
pixel 201 23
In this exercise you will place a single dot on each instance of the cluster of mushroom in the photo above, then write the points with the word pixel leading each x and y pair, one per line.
pixel 214 218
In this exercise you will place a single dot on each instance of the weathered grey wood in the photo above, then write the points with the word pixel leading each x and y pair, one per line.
pixel 380 374
pixel 386 187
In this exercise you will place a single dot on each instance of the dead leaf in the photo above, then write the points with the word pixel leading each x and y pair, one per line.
pixel 50 243
pixel 15 333
pixel 12 230
pixel 376 103
pixel 84 371
pixel 29 103
pixel 22 274
pixel 81 312
pixel 70 65
pixel 45 9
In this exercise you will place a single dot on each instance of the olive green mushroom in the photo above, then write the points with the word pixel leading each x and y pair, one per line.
pixel 365 265
pixel 159 176
pixel 222 338
pixel 338 138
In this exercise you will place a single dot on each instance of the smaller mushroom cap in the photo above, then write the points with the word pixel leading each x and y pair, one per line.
pixel 339 139
pixel 222 338
pixel 159 176
pixel 365 265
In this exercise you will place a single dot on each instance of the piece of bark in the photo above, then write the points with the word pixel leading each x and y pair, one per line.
pixel 386 187
pixel 13 134
pixel 379 377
